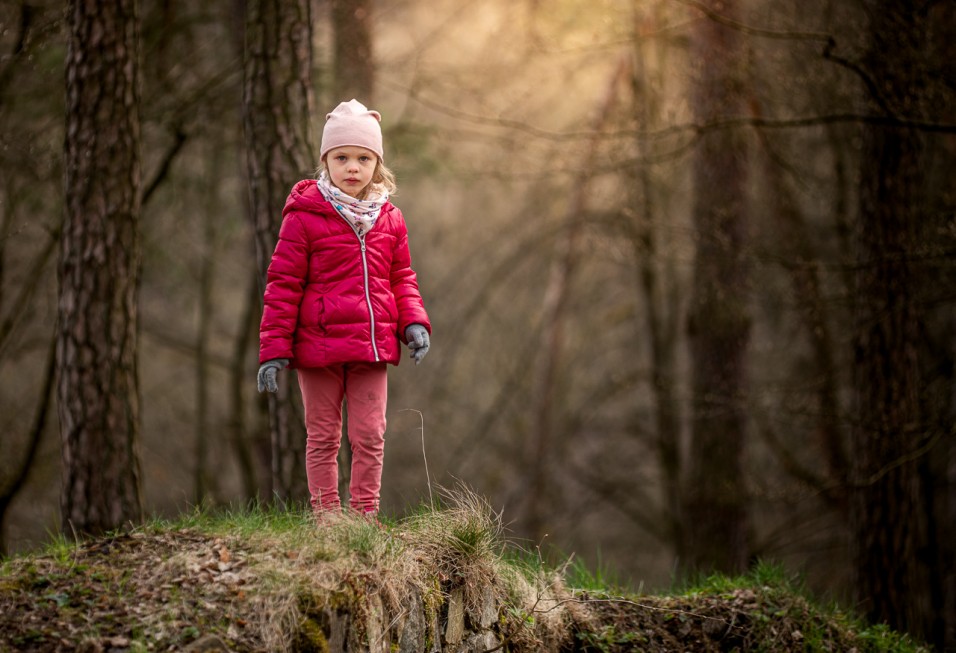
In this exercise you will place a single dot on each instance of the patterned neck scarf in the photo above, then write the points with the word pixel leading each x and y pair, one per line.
pixel 361 214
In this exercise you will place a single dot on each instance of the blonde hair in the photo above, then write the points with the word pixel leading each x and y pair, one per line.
pixel 381 176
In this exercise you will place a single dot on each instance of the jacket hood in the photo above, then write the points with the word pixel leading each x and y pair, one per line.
pixel 306 196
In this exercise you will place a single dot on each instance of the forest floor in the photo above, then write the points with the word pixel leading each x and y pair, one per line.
pixel 262 584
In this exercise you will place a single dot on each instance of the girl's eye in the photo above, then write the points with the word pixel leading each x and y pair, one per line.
pixel 365 159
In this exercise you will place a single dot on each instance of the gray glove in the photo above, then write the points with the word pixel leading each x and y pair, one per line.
pixel 267 374
pixel 418 342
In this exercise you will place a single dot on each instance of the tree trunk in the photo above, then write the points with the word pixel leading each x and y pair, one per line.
pixel 661 308
pixel 238 381
pixel 888 517
pixel 716 502
pixel 207 269
pixel 938 346
pixel 97 390
pixel 354 69
pixel 277 107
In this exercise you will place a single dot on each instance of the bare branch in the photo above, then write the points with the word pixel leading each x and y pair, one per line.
pixel 27 289
pixel 628 499
pixel 828 40
pixel 857 69
pixel 27 15
pixel 688 127
pixel 167 162
pixel 786 35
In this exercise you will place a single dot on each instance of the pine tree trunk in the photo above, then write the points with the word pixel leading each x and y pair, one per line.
pixel 277 113
pixel 716 501
pixel 97 389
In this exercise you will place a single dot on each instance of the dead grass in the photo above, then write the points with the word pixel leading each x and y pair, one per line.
pixel 274 580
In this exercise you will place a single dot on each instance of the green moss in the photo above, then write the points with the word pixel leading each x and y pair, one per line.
pixel 608 638
pixel 310 638
pixel 313 603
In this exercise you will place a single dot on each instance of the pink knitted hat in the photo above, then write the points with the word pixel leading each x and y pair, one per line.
pixel 352 123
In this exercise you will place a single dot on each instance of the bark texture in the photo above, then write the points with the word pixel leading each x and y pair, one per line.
pixel 99 270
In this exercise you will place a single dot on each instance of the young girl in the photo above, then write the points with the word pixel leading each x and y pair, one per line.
pixel 339 296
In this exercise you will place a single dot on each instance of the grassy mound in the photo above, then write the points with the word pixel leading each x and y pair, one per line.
pixel 272 580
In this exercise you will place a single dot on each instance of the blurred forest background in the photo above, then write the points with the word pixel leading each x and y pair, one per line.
pixel 690 266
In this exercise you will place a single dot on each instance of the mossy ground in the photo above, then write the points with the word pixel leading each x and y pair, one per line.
pixel 268 580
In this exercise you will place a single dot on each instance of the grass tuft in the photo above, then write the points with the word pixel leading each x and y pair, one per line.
pixel 601 578
pixel 467 528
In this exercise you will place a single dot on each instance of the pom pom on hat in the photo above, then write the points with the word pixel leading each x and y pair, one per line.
pixel 352 123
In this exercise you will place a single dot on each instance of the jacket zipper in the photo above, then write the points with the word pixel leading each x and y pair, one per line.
pixel 368 297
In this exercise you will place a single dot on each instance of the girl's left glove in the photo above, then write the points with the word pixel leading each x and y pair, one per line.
pixel 266 379
pixel 418 341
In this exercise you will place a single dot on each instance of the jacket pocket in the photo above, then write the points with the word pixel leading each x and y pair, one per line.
pixel 320 312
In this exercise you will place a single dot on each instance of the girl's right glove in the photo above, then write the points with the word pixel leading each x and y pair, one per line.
pixel 418 342
pixel 266 379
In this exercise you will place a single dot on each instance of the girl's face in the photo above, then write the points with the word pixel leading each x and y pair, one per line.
pixel 351 169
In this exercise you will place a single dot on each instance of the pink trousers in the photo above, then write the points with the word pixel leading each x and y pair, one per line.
pixel 365 389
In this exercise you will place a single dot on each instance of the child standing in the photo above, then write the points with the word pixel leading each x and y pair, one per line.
pixel 340 294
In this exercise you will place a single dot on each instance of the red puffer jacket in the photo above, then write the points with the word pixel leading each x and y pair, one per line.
pixel 330 298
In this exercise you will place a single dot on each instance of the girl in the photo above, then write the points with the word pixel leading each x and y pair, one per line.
pixel 340 294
